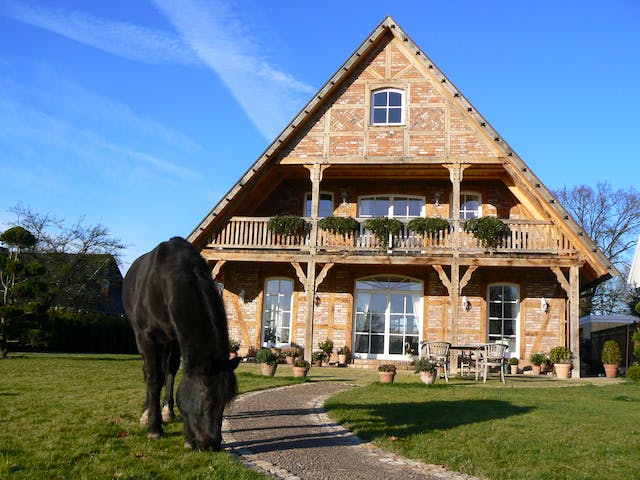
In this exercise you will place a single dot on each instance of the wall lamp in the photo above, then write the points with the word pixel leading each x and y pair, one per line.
pixel 436 199
pixel 544 305
pixel 465 303
pixel 241 295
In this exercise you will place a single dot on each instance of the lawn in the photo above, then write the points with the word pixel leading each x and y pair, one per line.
pixel 76 416
pixel 525 430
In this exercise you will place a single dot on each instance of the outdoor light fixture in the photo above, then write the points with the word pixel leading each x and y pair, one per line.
pixel 344 197
pixel 544 305
pixel 436 199
pixel 241 294
pixel 466 304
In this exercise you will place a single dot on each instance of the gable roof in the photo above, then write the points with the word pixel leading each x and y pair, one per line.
pixel 513 163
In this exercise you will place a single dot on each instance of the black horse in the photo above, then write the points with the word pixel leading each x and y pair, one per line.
pixel 175 309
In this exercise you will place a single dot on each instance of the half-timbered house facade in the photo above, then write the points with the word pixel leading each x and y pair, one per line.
pixel 389 135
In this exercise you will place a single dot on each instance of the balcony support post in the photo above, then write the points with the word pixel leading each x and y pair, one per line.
pixel 572 289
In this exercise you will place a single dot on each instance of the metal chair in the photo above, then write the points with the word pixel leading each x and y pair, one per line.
pixel 438 353
pixel 491 355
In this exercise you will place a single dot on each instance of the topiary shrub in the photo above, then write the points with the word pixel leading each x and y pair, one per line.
pixel 560 354
pixel 286 225
pixel 341 225
pixel 265 355
pixel 633 373
pixel 383 227
pixel 428 225
pixel 489 230
pixel 537 359
pixel 611 353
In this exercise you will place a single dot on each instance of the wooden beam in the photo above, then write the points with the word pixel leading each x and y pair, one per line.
pixel 323 273
pixel 562 280
pixel 310 305
pixel 443 277
pixel 300 273
pixel 467 276
pixel 216 268
pixel 574 319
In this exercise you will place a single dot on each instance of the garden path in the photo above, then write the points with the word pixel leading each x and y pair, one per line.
pixel 285 433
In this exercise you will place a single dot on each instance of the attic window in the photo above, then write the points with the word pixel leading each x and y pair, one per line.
pixel 387 107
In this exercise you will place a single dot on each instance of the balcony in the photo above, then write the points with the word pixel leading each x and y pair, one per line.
pixel 526 237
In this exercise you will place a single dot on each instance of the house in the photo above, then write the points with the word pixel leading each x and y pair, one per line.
pixel 389 135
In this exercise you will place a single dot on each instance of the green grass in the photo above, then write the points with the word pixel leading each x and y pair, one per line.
pixel 76 417
pixel 530 429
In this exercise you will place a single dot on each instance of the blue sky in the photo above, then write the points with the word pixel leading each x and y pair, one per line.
pixel 141 115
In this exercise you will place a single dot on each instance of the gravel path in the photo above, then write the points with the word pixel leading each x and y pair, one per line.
pixel 285 433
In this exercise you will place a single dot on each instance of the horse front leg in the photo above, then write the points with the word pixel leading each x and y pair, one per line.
pixel 173 363
pixel 154 378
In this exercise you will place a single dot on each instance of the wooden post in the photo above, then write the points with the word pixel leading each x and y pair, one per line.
pixel 310 288
pixel 574 319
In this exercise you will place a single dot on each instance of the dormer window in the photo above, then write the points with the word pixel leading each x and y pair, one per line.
pixel 387 107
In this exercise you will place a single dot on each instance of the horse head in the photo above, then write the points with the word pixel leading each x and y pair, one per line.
pixel 202 397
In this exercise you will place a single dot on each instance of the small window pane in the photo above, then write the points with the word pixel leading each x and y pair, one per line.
pixel 510 294
pixel 412 326
pixel 495 294
pixel 380 99
pixel 396 345
pixel 379 115
pixel 397 303
pixel 414 208
pixel 377 344
pixel 510 310
pixel 286 319
pixel 495 310
pixel 378 303
pixel 381 207
pixel 395 99
pixel 495 327
pixel 397 325
pixel 395 115
pixel 509 327
pixel 362 343
pixel 283 336
pixel 366 207
pixel 362 322
pixel 377 323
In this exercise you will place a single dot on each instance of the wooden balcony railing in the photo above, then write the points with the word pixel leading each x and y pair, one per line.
pixel 525 236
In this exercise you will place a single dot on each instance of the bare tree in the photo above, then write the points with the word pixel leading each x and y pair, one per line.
pixel 612 219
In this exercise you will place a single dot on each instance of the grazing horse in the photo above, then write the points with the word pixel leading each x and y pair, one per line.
pixel 174 308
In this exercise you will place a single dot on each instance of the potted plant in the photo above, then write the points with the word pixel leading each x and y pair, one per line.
pixel 561 358
pixel 327 349
pixel 537 359
pixel 489 230
pixel 611 358
pixel 513 364
pixel 317 358
pixel 341 225
pixel 286 225
pixel 387 372
pixel 291 354
pixel 425 226
pixel 300 368
pixel 427 370
pixel 382 227
pixel 234 346
pixel 268 361
pixel 344 354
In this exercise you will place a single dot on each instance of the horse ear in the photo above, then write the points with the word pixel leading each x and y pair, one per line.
pixel 234 362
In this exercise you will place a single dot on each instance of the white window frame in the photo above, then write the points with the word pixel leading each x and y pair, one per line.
pixel 387 107
pixel 470 194
pixel 307 198
pixel 391 210
pixel 278 313
pixel 417 312
pixel 515 351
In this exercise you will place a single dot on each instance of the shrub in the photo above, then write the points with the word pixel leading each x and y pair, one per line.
pixel 560 354
pixel 342 225
pixel 537 359
pixel 424 365
pixel 265 355
pixel 386 367
pixel 611 353
pixel 234 345
pixel 514 361
pixel 633 373
pixel 317 356
pixel 326 347
pixel 383 227
pixel 292 352
pixel 489 230
pixel 286 224
pixel 428 225
pixel 302 363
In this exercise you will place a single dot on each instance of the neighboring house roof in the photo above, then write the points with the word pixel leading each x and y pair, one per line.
pixel 601 267
pixel 634 273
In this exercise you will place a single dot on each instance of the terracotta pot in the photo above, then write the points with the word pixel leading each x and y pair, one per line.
pixel 387 377
pixel 514 369
pixel 299 372
pixel 562 370
pixel 342 359
pixel 268 370
pixel 317 363
pixel 290 359
pixel 536 369
pixel 611 370
pixel 428 377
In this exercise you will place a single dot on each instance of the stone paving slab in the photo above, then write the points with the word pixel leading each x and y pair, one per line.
pixel 285 433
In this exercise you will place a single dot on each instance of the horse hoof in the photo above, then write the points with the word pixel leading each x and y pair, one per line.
pixel 144 419
pixel 167 415
pixel 188 446
pixel 155 435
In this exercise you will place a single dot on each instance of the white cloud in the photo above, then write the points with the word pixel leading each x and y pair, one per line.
pixel 268 96
pixel 119 38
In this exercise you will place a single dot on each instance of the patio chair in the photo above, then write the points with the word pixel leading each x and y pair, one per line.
pixel 467 361
pixel 491 355
pixel 438 353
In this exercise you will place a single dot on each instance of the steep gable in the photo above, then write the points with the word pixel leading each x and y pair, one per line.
pixel 441 127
